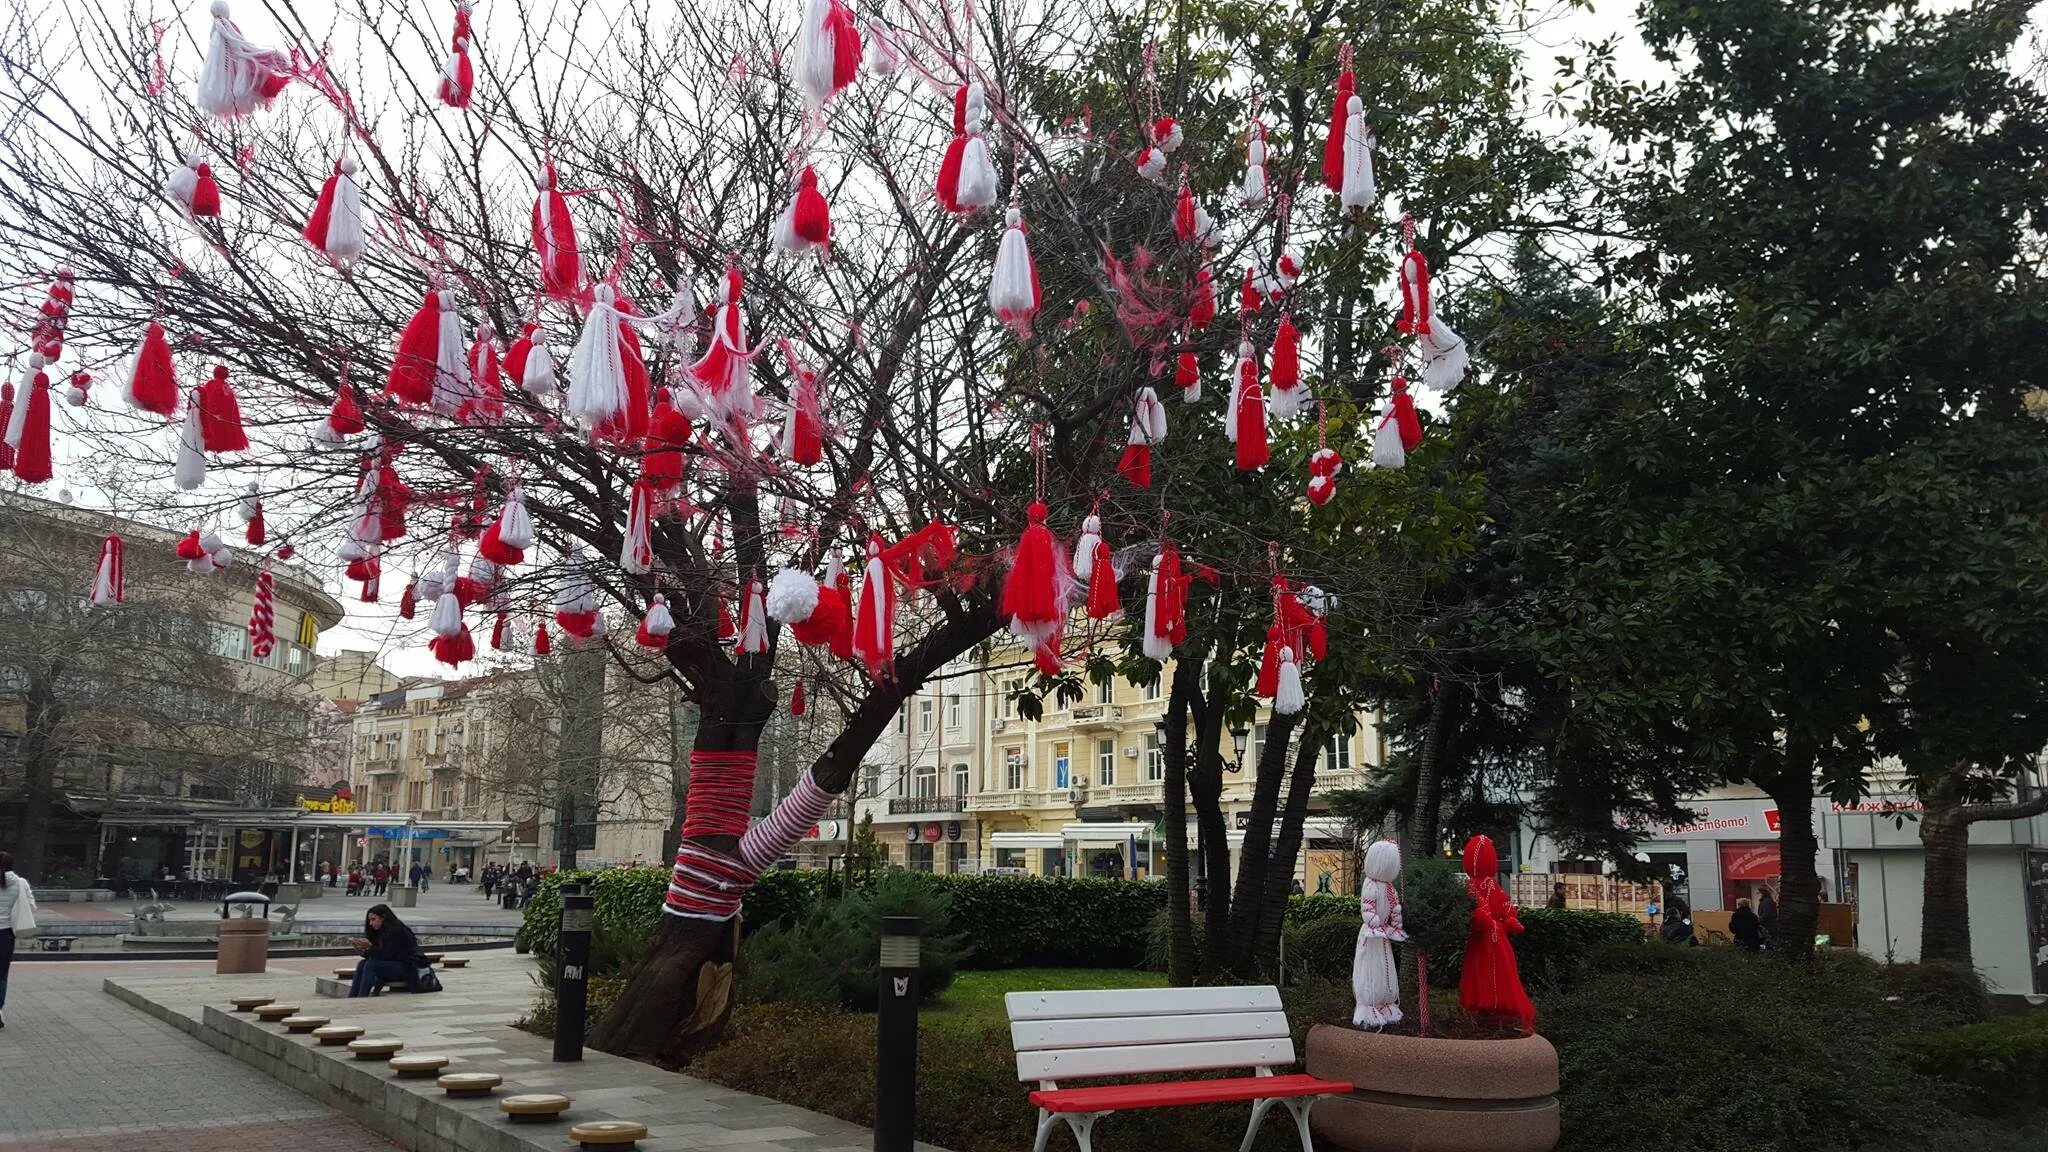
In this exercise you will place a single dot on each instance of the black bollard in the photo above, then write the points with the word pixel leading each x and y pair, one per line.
pixel 896 1036
pixel 572 973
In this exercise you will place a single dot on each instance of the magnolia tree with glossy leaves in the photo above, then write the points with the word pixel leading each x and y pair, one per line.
pixel 804 349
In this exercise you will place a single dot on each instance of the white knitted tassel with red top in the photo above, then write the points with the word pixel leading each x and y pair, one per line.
pixel 636 552
pixel 110 578
pixel 724 373
pixel 656 625
pixel 1013 290
pixel 262 616
pixel 447 617
pixel 1359 192
pixel 1253 191
pixel 1288 699
pixel 753 622
pixel 237 77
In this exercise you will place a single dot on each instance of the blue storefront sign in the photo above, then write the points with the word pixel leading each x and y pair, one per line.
pixel 401 833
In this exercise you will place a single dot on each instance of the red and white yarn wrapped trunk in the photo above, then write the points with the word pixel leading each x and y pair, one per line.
pixel 263 616
pixel 335 229
pixel 707 884
pixel 237 77
pixel 110 575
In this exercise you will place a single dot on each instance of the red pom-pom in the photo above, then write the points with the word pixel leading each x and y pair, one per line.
pixel 220 415
pixel 153 383
pixel 812 219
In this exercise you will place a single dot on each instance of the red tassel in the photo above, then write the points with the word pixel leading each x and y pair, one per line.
pixel 1269 663
pixel 1249 415
pixel 581 625
pixel 667 434
pixel 840 643
pixel 254 535
pixel 1285 371
pixel 453 650
pixel 220 415
pixel 419 345
pixel 1102 594
pixel 205 193
pixel 1187 374
pixel 32 463
pixel 1202 312
pixel 812 219
pixel 1184 213
pixel 500 631
pixel 797 706
pixel 541 644
pixel 408 601
pixel 1046 657
pixel 458 80
pixel 6 418
pixel 515 356
pixel 346 417
pixel 153 383
pixel 1414 279
pixel 1031 597
pixel 554 239
pixel 727 629
pixel 1405 418
pixel 1135 465
pixel 1333 144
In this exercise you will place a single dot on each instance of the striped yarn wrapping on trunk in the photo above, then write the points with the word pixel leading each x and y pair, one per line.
pixel 262 620
pixel 709 885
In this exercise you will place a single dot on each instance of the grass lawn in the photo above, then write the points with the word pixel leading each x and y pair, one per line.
pixel 975 1001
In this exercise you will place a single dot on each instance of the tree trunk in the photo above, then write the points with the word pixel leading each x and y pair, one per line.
pixel 1279 878
pixel 579 750
pixel 1181 965
pixel 1425 831
pixel 1944 883
pixel 1798 878
pixel 682 734
pixel 1255 859
pixel 38 753
pixel 1205 789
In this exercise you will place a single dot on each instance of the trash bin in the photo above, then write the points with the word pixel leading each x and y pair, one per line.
pixel 406 897
pixel 244 938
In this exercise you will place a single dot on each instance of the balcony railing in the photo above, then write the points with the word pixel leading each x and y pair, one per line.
pixel 1098 713
pixel 911 805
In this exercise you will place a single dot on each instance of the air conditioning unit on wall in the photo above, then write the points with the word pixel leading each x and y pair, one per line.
pixel 1078 793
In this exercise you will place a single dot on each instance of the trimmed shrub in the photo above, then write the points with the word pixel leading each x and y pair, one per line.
pixel 2002 1063
pixel 1315 906
pixel 1321 949
pixel 625 912
pixel 1559 942
pixel 1955 993
pixel 832 956
pixel 1052 922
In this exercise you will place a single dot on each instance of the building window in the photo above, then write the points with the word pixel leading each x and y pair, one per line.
pixel 1013 768
pixel 871 774
pixel 1008 689
pixel 447 792
pixel 1105 692
pixel 1062 762
pixel 472 790
pixel 902 720
pixel 1255 747
pixel 926 783
pixel 959 779
pixel 1155 758
pixel 1152 686
pixel 924 714
pixel 1105 762
pixel 953 712
pixel 1336 757
pixel 956 856
pixel 415 795
pixel 919 858
pixel 228 640
pixel 387 798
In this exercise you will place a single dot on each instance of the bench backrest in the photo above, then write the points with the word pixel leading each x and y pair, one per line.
pixel 1140 1031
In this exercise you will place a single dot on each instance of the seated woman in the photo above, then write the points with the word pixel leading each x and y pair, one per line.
pixel 390 953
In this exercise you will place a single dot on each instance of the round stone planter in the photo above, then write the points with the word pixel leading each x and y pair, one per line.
pixel 1428 1095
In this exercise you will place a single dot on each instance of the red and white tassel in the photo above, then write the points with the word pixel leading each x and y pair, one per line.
pixel 636 552
pixel 753 622
pixel 237 77
pixel 1202 310
pixel 1165 137
pixel 1151 163
pixel 1252 192
pixel 1013 290
pixel 1333 144
pixel 458 76
pixel 803 426
pixel 1095 567
pixel 575 602
pixel 1250 295
pixel 75 389
pixel 1287 696
pixel 189 471
pixel 967 180
pixel 409 600
pixel 806 223
pixel 656 625
pixel 1358 191
pixel 28 432
pixel 249 508
pixel 335 230
pixel 193 189
pixel 344 418
pixel 1187 376
pixel 1156 641
pixel 446 619
pixel 110 576
pixel 661 458
pixel 728 628
pixel 1284 372
pixel 263 616
pixel 554 239
pixel 1401 406
pixel 874 623
pixel 204 553
pixel 1268 680
pixel 418 358
pixel 1323 466
pixel 724 373
pixel 1246 423
pixel 152 382
pixel 502 638
pixel 1444 356
pixel 827 51
pixel 1148 430
pixel 485 404
pixel 220 414
pixel 1033 599
pixel 880 58
pixel 529 364
pixel 505 542
pixel 1387 451
pixel 607 378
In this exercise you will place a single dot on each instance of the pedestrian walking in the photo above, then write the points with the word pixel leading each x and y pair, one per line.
pixel 381 877
pixel 17 916
pixel 1767 917
pixel 1744 926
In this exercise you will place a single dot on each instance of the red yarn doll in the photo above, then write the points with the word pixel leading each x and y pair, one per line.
pixel 1490 984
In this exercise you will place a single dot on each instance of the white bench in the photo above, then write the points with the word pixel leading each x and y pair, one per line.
pixel 1148 1031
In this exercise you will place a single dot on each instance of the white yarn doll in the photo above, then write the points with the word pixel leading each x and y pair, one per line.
pixel 1375 983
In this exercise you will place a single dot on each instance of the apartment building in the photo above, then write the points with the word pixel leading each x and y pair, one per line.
pixel 965 783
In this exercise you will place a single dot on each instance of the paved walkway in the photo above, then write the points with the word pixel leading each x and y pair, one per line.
pixel 439 905
pixel 81 1070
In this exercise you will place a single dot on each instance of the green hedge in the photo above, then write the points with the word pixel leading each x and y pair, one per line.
pixel 1322 948
pixel 1308 908
pixel 2003 1063
pixel 1007 921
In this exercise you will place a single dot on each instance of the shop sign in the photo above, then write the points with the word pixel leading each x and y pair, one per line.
pixel 933 832
pixel 339 803
pixel 952 830
pixel 910 833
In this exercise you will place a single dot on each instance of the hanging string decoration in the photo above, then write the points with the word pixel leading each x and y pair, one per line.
pixel 262 616
pixel 335 229
pixel 967 180
pixel 110 575
pixel 458 76
pixel 238 77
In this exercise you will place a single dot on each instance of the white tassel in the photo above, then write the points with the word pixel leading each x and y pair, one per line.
pixel 1386 444
pixel 109 579
pixel 483 572
pixel 1444 357
pixel 538 378
pixel 232 79
pixel 1287 697
pixel 1247 361
pixel 753 623
pixel 1253 192
pixel 1154 646
pixel 638 544
pixel 249 504
pixel 1013 290
pixel 1358 190
pixel 1287 403
pixel 1084 549
pixel 792 596
pixel 1150 416
pixel 190 471
pixel 447 617
pixel 816 53
pixel 659 621
pixel 346 240
pixel 597 369
pixel 881 57
pixel 677 327
pixel 977 175
pixel 452 384
pixel 515 527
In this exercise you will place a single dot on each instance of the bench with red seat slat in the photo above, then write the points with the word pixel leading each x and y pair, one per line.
pixel 1172 1093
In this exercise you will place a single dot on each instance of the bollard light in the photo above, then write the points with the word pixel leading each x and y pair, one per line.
pixel 572 972
pixel 896 1034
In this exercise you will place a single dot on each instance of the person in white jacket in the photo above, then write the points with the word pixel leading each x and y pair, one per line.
pixel 1375 983
pixel 17 911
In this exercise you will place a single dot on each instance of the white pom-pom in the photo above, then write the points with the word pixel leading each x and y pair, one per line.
pixel 792 596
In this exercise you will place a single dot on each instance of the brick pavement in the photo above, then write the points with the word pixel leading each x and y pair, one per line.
pixel 81 1070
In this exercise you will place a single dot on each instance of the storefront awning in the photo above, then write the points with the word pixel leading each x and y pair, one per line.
pixel 1105 833
pixel 1024 840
